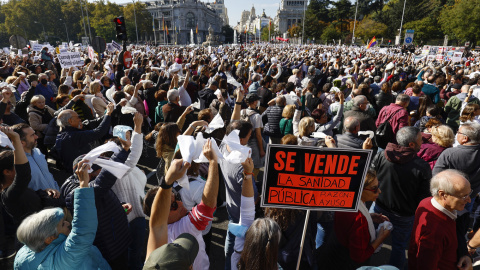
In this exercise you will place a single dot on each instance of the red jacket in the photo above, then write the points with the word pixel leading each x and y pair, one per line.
pixel 398 121
pixel 433 244
pixel 352 232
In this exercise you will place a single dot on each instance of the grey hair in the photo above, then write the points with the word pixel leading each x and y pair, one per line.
pixel 123 80
pixel 358 100
pixel 441 181
pixel 172 95
pixel 146 82
pixel 403 98
pixel 472 131
pixel 350 124
pixel 63 117
pixel 36 228
pixel 42 75
pixel 280 101
pixel 407 135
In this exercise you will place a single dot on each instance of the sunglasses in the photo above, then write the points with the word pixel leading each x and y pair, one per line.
pixel 174 205
pixel 374 190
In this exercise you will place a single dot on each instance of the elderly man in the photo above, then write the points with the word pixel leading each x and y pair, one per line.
pixel 434 242
pixel 41 176
pixel 465 158
pixel 72 141
pixel 44 89
pixel 350 138
pixel 453 107
pixel 172 110
pixel 359 111
pixel 404 183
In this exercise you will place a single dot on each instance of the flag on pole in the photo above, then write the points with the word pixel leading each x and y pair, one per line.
pixel 166 27
pixel 153 23
pixel 255 29
pixel 372 43
pixel 269 24
pixel 246 27
pixel 163 23
pixel 196 31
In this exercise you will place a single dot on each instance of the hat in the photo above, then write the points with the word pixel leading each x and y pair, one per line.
pixel 456 86
pixel 252 98
pixel 178 255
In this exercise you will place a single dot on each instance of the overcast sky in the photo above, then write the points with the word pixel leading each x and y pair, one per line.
pixel 236 7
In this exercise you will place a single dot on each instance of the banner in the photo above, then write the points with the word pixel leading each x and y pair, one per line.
pixel 37 47
pixel 116 46
pixel 71 59
pixel 303 177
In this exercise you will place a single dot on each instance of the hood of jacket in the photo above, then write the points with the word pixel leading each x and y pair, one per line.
pixel 399 154
pixel 463 96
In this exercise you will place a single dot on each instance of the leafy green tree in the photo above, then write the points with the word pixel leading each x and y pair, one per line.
pixel 425 29
pixel 330 33
pixel 72 15
pixel 368 28
pixel 461 20
pixel 102 19
pixel 341 12
pixel 144 21
pixel 227 30
pixel 264 35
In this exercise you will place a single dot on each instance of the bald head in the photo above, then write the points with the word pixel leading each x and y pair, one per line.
pixel 351 124
pixel 451 189
pixel 465 88
pixel 280 101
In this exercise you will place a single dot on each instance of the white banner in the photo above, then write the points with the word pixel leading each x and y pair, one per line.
pixel 37 47
pixel 117 46
pixel 72 59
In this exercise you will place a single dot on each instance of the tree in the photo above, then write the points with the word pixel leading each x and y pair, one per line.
pixel 294 30
pixel 102 19
pixel 330 33
pixel 341 12
pixel 72 15
pixel 264 34
pixel 368 28
pixel 461 20
pixel 425 29
pixel 144 20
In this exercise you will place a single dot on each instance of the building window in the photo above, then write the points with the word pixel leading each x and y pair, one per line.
pixel 190 19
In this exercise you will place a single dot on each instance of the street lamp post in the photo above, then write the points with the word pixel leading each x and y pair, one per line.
pixel 66 30
pixel 44 35
pixel 303 26
pixel 135 14
pixel 401 23
pixel 354 23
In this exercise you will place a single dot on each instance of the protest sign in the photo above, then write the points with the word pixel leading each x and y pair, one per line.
pixel 116 46
pixel 71 59
pixel 303 177
pixel 37 47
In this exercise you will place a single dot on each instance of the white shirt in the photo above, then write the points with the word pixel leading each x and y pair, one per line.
pixel 450 214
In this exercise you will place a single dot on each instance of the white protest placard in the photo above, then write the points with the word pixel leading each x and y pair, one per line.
pixel 20 52
pixel 37 47
pixel 110 47
pixel 71 59
pixel 117 46
pixel 457 57
pixel 91 53
pixel 63 50
pixel 6 50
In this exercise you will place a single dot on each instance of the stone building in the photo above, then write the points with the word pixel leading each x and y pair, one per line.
pixel 290 13
pixel 183 16
pixel 250 21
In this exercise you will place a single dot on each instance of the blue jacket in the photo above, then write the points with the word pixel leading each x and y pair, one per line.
pixel 430 90
pixel 73 142
pixel 75 251
pixel 41 176
pixel 112 237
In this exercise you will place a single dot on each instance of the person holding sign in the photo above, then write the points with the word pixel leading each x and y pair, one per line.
pixel 354 239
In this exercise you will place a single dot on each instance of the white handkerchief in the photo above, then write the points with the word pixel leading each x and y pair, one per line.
pixel 216 123
pixel 187 147
pixel 238 153
pixel 5 141
pixel 203 159
pixel 115 168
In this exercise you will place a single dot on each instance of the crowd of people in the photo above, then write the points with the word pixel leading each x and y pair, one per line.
pixel 209 114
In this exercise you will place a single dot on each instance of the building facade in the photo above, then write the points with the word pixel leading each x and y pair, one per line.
pixel 290 13
pixel 252 23
pixel 181 17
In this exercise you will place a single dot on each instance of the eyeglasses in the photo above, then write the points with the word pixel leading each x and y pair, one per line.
pixel 458 132
pixel 463 197
pixel 374 190
pixel 174 205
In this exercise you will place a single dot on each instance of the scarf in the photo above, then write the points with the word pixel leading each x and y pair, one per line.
pixel 371 229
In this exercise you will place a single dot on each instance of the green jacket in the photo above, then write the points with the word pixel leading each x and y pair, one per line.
pixel 454 107
pixel 286 126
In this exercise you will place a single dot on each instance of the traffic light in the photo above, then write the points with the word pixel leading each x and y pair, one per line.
pixel 120 28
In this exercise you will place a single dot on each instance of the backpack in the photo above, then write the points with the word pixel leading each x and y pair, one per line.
pixel 245 116
pixel 384 133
